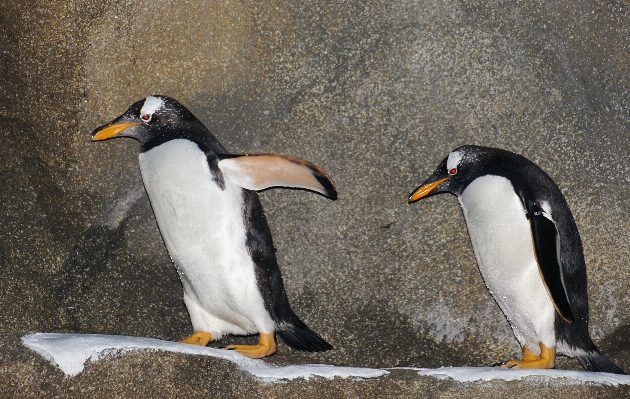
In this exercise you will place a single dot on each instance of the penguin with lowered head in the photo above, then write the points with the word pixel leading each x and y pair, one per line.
pixel 528 250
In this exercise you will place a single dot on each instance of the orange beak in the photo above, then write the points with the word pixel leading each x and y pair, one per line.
pixel 424 190
pixel 112 130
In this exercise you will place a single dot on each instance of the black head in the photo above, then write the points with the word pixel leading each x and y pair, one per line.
pixel 462 166
pixel 155 120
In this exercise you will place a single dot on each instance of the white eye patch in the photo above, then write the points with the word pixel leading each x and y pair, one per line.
pixel 453 160
pixel 151 105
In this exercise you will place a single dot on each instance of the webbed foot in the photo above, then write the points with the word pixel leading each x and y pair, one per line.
pixel 546 359
pixel 200 338
pixel 266 347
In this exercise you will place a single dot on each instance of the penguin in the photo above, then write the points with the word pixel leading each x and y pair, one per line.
pixel 213 225
pixel 528 250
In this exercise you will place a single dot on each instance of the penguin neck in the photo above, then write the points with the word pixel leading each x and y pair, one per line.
pixel 196 134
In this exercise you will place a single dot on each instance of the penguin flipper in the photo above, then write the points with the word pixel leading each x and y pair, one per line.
pixel 545 236
pixel 298 336
pixel 260 171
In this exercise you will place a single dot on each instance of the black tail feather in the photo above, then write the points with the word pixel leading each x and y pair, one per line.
pixel 302 338
pixel 595 361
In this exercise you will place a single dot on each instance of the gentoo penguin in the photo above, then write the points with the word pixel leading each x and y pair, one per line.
pixel 213 224
pixel 528 250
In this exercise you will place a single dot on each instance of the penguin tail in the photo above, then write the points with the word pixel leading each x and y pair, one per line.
pixel 595 361
pixel 298 336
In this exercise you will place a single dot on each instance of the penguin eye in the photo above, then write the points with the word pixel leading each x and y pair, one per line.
pixel 146 117
pixel 452 172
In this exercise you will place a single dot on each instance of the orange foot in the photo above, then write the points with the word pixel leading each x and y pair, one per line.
pixel 266 347
pixel 546 359
pixel 200 338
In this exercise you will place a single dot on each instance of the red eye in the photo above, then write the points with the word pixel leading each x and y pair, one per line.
pixel 452 171
pixel 146 117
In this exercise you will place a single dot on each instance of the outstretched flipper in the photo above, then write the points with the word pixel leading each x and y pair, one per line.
pixel 545 236
pixel 260 171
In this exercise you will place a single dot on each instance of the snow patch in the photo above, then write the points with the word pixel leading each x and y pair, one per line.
pixel 485 374
pixel 70 352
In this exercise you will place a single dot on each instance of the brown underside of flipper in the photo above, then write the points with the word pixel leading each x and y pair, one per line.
pixel 260 171
pixel 200 338
pixel 266 347
pixel 546 359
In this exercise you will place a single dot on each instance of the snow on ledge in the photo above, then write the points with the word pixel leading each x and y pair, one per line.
pixel 70 352
pixel 484 374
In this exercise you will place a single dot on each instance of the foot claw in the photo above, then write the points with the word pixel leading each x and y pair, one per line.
pixel 546 359
pixel 265 347
pixel 200 338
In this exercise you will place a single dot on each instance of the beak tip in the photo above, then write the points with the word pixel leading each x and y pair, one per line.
pixel 111 130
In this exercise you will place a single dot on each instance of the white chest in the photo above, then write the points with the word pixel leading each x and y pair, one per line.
pixel 203 229
pixel 198 220
pixel 501 237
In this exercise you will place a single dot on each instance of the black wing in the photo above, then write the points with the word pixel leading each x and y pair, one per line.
pixel 545 236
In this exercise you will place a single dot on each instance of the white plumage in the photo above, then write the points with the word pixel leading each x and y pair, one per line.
pixel 203 229
pixel 502 240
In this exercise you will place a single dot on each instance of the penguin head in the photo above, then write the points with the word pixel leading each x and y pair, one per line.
pixel 456 172
pixel 155 118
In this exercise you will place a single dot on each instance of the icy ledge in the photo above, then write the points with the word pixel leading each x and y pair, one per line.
pixel 484 374
pixel 70 352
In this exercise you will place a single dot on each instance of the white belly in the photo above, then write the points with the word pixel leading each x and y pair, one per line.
pixel 202 227
pixel 501 238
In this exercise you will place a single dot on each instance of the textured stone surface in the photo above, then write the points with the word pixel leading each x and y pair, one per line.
pixel 376 93
pixel 169 375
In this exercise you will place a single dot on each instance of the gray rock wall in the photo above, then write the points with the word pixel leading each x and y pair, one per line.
pixel 377 93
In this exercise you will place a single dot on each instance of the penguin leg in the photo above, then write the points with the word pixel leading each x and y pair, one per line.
pixel 200 338
pixel 266 347
pixel 546 359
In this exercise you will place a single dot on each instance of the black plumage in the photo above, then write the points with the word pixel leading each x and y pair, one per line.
pixel 555 238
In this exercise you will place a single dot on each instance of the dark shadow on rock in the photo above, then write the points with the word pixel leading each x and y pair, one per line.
pixel 103 289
